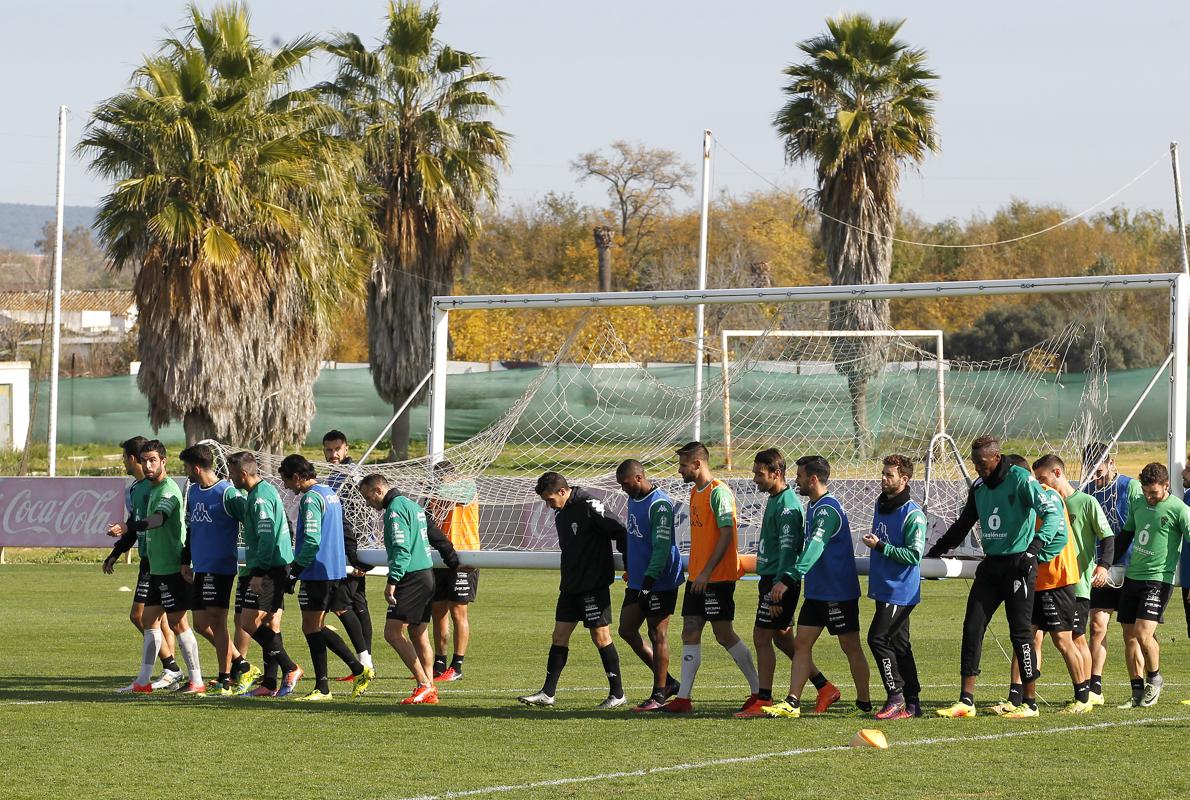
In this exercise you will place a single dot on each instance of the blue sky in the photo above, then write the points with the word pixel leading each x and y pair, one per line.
pixel 1049 102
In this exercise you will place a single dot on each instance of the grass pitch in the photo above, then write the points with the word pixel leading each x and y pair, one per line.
pixel 65 644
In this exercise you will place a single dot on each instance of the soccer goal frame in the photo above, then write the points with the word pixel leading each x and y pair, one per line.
pixel 726 336
pixel 1176 284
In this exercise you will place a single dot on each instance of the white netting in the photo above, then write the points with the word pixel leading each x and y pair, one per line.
pixel 595 404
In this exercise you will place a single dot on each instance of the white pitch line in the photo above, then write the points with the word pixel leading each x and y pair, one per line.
pixel 719 762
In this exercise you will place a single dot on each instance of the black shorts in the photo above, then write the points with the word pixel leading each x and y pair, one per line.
pixel 661 604
pixel 142 583
pixel 764 612
pixel 1105 598
pixel 452 586
pixel 1143 600
pixel 1082 616
pixel 716 604
pixel 212 590
pixel 415 596
pixel 272 593
pixel 319 596
pixel 1055 609
pixel 171 592
pixel 837 616
pixel 350 595
pixel 593 609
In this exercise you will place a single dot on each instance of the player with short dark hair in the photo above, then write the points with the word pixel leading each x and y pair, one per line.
pixel 897 541
pixel 352 608
pixel 831 593
pixel 269 552
pixel 408 536
pixel 320 562
pixel 1115 494
pixel 1155 529
pixel 653 569
pixel 136 496
pixel 455 508
pixel 210 560
pixel 169 593
pixel 586 532
pixel 1006 501
pixel 715 568
pixel 1094 548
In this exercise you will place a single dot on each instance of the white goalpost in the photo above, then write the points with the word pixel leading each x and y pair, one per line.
pixel 725 337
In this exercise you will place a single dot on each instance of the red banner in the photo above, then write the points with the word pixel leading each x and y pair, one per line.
pixel 59 512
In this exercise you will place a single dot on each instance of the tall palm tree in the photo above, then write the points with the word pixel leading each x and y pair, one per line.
pixel 241 215
pixel 859 107
pixel 420 109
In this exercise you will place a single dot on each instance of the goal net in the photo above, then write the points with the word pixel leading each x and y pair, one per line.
pixel 607 388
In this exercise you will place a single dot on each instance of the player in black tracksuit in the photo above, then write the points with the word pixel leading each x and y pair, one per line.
pixel 586 531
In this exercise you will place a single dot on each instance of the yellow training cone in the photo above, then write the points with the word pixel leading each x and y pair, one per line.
pixel 870 737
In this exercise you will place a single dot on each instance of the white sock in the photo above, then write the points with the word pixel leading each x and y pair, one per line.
pixel 743 659
pixel 691 660
pixel 189 647
pixel 148 658
pixel 365 658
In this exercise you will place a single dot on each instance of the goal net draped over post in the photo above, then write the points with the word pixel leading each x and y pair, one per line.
pixel 604 397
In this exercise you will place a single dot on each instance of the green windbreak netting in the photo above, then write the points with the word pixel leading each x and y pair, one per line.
pixel 108 410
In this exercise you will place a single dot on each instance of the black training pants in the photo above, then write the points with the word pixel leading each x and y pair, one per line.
pixel 888 639
pixel 997 580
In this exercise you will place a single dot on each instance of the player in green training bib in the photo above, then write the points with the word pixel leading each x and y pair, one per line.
pixel 136 499
pixel 1155 529
pixel 164 529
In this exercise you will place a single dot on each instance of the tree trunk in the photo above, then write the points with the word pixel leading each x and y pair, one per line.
pixel 198 426
pixel 399 437
pixel 857 386
pixel 603 246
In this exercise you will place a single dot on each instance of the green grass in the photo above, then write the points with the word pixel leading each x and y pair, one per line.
pixel 66 643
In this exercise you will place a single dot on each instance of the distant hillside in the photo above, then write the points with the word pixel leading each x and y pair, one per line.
pixel 20 225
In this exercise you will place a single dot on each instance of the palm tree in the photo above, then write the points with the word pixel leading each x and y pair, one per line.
pixel 419 108
pixel 859 107
pixel 241 215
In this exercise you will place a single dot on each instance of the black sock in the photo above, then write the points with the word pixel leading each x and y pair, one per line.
pixel 793 701
pixel 336 645
pixel 224 679
pixel 239 665
pixel 765 694
pixel 351 624
pixel 864 705
pixel 553 668
pixel 318 660
pixel 170 663
pixel 1154 678
pixel 611 668
pixel 268 678
pixel 670 680
pixel 819 680
pixel 365 625
pixel 912 700
pixel 456 663
pixel 1082 691
pixel 1097 684
pixel 439 664
pixel 967 697
pixel 1138 688
pixel 1016 692
pixel 1031 702
pixel 274 649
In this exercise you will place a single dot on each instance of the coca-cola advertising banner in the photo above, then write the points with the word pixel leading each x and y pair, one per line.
pixel 59 512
